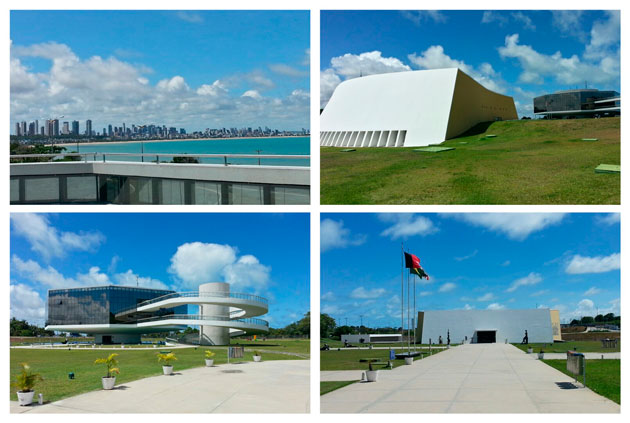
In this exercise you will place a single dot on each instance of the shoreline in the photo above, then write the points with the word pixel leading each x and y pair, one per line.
pixel 175 140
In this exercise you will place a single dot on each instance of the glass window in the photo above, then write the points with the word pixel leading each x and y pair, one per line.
pixel 81 188
pixel 41 189
pixel 290 195
pixel 15 190
pixel 246 194
pixel 173 192
pixel 207 193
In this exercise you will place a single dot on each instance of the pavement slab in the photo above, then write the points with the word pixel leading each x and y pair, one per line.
pixel 470 378
pixel 278 386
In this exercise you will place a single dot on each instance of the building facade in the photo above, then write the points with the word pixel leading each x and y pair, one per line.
pixel 488 326
pixel 120 314
pixel 408 109
pixel 581 103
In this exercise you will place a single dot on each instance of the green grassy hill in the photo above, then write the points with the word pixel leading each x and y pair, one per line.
pixel 528 162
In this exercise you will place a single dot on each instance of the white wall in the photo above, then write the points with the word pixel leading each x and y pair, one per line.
pixel 510 324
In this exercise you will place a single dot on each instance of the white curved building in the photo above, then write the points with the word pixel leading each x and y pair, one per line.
pixel 118 314
pixel 409 109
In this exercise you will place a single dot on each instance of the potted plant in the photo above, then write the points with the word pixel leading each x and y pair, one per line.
pixel 541 354
pixel 25 382
pixel 371 375
pixel 110 380
pixel 257 356
pixel 167 358
pixel 408 361
pixel 530 350
pixel 209 359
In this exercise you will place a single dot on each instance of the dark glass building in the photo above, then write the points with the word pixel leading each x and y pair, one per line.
pixel 105 308
pixel 578 103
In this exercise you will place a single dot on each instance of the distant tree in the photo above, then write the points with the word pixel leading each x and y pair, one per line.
pixel 23 328
pixel 587 320
pixel 574 322
pixel 326 325
pixel 609 317
pixel 342 330
pixel 179 159
pixel 599 318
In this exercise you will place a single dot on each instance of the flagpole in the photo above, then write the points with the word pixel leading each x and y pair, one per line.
pixel 402 294
pixel 408 321
pixel 415 313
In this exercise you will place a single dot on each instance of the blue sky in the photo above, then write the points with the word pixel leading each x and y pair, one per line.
pixel 518 53
pixel 568 262
pixel 195 69
pixel 263 253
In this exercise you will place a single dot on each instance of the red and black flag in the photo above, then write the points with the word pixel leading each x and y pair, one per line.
pixel 412 262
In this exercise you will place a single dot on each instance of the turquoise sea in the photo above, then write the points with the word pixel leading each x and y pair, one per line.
pixel 279 146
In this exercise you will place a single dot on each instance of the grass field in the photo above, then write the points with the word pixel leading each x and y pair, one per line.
pixel 326 387
pixel 529 162
pixel 563 347
pixel 602 376
pixel 349 359
pixel 54 366
pixel 297 346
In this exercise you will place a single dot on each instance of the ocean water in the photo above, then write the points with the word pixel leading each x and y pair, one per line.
pixel 279 146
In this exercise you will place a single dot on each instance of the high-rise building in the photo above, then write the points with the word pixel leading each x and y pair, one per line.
pixel 88 127
pixel 75 127
pixel 17 129
pixel 23 128
pixel 56 127
pixel 109 130
pixel 66 128
pixel 36 127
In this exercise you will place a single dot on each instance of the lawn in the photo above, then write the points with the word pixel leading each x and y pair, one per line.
pixel 326 387
pixel 528 162
pixel 349 359
pixel 563 347
pixel 296 346
pixel 602 376
pixel 54 366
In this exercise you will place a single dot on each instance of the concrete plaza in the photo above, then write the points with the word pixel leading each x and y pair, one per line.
pixel 279 386
pixel 471 378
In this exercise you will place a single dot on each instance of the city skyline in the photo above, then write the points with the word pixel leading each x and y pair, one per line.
pixel 193 69
pixel 569 262
pixel 522 54
pixel 177 251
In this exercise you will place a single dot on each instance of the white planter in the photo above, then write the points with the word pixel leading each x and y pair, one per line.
pixel 25 398
pixel 108 382
pixel 209 362
pixel 168 370
pixel 530 350
pixel 257 358
pixel 371 375
pixel 541 356
pixel 408 361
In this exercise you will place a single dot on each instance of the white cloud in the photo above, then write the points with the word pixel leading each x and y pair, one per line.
pixel 26 304
pixel 468 307
pixel 362 293
pixel 334 235
pixel 406 225
pixel 435 58
pixel 604 35
pixel 531 279
pixel 286 70
pixel 592 291
pixel 425 293
pixel 351 66
pixel 609 219
pixel 248 274
pixel 331 309
pixel 113 90
pixel 600 264
pixel 469 256
pixel 420 16
pixel 524 19
pixel 490 16
pixel 47 276
pixel 569 23
pixel 197 262
pixel 564 70
pixel 516 226
pixel 129 278
pixel 495 306
pixel 447 287
pixel 47 240
pixel 487 297
pixel 189 16
pixel 539 293
pixel 252 94
pixel 328 296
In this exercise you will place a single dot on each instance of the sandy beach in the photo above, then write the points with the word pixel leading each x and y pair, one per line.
pixel 176 140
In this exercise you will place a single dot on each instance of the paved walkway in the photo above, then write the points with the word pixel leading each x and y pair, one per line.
pixel 279 386
pixel 472 378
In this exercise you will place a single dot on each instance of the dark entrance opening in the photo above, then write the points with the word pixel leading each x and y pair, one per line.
pixel 486 336
pixel 107 339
